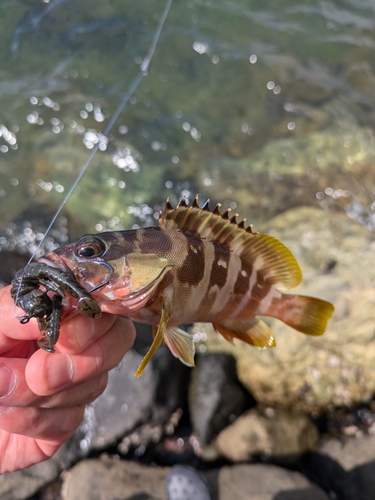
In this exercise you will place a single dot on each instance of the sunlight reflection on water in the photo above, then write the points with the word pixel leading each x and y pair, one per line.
pixel 228 85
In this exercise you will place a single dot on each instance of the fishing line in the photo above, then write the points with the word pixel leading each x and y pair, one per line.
pixel 144 67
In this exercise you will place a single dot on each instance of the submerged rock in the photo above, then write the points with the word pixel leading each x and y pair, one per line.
pixel 330 168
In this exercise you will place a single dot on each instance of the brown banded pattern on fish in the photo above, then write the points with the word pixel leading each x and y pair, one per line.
pixel 197 265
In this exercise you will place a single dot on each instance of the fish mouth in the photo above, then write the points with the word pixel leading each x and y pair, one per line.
pixel 56 263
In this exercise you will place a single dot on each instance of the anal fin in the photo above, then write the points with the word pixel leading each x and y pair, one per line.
pixel 252 331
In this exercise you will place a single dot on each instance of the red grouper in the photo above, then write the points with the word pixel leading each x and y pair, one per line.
pixel 197 266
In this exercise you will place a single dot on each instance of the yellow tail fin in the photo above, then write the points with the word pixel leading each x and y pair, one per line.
pixel 306 314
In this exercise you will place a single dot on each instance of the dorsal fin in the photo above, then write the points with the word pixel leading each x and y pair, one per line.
pixel 267 254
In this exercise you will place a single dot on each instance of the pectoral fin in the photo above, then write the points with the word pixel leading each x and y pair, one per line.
pixel 252 331
pixel 181 344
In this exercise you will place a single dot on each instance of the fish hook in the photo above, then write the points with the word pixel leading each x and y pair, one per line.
pixel 106 281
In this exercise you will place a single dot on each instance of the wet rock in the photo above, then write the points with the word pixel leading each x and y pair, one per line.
pixel 179 448
pixel 111 478
pixel 312 373
pixel 265 482
pixel 125 403
pixel 275 434
pixel 171 392
pixel 215 395
pixel 156 435
pixel 96 479
pixel 22 484
pixel 344 467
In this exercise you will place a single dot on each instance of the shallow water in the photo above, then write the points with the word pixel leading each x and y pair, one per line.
pixel 261 105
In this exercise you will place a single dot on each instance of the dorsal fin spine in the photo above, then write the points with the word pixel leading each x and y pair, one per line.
pixel 216 210
pixel 182 202
pixel 168 207
pixel 241 224
pixel 226 214
pixel 206 206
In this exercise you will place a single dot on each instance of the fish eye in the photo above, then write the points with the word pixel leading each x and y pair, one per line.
pixel 89 247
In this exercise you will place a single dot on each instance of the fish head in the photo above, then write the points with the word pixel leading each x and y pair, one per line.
pixel 106 265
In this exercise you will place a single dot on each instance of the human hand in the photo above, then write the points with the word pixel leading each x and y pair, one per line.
pixel 43 395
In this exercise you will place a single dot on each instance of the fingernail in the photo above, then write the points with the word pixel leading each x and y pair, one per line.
pixel 7 381
pixel 59 370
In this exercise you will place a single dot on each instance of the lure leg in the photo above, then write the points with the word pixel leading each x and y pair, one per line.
pixel 50 326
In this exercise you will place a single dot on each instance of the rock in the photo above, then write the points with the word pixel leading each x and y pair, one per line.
pixel 173 379
pixel 344 467
pixel 288 172
pixel 348 145
pixel 276 435
pixel 22 484
pixel 111 478
pixel 125 403
pixel 265 482
pixel 215 395
pixel 308 373
pixel 155 434
pixel 96 479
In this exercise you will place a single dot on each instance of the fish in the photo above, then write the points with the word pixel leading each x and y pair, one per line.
pixel 197 265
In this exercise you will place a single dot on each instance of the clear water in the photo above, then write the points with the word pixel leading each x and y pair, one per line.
pixel 261 105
